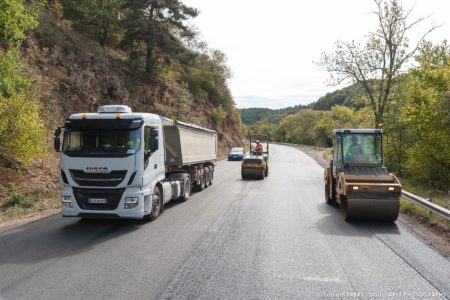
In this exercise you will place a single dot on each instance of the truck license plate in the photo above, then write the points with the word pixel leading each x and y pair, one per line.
pixel 97 201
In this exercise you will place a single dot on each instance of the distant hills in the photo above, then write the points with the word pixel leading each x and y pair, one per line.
pixel 351 96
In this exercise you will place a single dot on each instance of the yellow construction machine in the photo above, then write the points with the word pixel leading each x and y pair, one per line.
pixel 357 179
pixel 255 164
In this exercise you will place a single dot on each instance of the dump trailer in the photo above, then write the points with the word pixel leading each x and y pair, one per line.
pixel 120 164
pixel 255 164
pixel 357 179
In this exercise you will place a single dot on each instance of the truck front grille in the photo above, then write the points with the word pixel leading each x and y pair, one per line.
pixel 110 197
pixel 114 178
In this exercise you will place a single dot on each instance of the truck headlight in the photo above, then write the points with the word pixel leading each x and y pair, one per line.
pixel 66 201
pixel 131 202
pixel 355 187
pixel 391 188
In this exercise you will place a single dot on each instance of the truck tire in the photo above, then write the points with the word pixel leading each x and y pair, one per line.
pixel 156 205
pixel 211 174
pixel 186 189
pixel 206 170
pixel 267 171
pixel 200 187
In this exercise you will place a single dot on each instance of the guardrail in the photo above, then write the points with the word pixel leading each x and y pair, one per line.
pixel 422 202
pixel 441 211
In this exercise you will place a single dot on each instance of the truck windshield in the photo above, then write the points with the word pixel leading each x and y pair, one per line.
pixel 102 142
pixel 362 148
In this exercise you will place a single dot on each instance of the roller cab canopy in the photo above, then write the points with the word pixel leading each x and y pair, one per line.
pixel 357 147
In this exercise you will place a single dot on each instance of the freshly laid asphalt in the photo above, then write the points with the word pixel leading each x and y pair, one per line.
pixel 269 239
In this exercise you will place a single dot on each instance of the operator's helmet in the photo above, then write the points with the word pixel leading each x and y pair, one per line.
pixel 257 141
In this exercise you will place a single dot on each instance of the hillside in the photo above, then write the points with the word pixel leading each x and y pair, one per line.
pixel 73 73
pixel 79 75
pixel 251 116
pixel 351 96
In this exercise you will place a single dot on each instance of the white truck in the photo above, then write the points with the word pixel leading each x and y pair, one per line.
pixel 119 164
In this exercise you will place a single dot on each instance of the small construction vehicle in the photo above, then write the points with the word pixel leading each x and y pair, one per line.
pixel 358 181
pixel 255 164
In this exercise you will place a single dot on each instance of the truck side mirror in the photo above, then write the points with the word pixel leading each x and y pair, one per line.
pixel 57 140
pixel 154 140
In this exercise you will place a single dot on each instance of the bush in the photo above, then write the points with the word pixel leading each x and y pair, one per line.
pixel 218 115
pixel 22 131
pixel 12 79
pixel 17 199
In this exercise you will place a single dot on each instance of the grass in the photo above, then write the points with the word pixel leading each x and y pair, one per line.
pixel 21 204
pixel 438 197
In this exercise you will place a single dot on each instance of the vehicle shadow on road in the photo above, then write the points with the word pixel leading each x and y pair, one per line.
pixel 331 223
pixel 44 240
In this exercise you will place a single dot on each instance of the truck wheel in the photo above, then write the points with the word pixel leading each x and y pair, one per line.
pixel 156 205
pixel 186 189
pixel 263 174
pixel 206 177
pixel 200 187
pixel 267 171
pixel 211 175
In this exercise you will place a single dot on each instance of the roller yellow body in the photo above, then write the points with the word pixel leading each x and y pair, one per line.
pixel 255 165
pixel 359 182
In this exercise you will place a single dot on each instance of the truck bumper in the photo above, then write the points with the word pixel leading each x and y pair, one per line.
pixel 75 210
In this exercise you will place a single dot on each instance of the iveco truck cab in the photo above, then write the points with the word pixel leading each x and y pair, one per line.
pixel 120 164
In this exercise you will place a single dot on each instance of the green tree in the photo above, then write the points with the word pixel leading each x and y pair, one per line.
pixel 22 132
pixel 160 26
pixel 21 128
pixel 16 19
pixel 338 117
pixel 375 64
pixel 207 78
pixel 102 15
pixel 12 74
pixel 427 115
pixel 299 127
pixel 218 116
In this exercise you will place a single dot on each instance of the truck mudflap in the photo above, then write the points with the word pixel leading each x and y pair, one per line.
pixel 366 209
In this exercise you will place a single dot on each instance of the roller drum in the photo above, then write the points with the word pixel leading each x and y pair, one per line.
pixel 252 173
pixel 380 210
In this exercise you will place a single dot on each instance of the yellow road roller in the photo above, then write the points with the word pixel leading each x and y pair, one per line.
pixel 357 179
pixel 255 164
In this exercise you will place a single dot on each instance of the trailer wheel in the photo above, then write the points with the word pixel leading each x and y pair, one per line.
pixel 200 187
pixel 156 205
pixel 206 176
pixel 186 189
pixel 211 175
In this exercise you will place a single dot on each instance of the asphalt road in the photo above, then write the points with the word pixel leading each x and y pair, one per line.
pixel 270 239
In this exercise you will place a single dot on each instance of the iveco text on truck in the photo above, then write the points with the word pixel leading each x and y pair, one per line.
pixel 119 164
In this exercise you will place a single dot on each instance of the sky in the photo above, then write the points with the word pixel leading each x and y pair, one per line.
pixel 272 46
